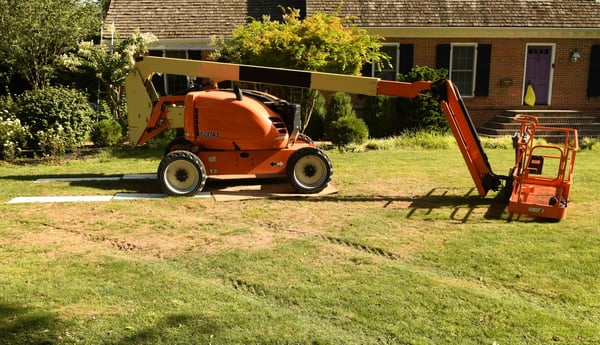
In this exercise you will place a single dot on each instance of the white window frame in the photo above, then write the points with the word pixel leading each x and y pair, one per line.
pixel 395 64
pixel 465 93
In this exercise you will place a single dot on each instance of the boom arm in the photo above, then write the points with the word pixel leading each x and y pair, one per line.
pixel 142 96
pixel 144 107
pixel 466 136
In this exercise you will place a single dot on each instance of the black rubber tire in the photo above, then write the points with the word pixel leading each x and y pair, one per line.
pixel 309 170
pixel 181 173
pixel 178 143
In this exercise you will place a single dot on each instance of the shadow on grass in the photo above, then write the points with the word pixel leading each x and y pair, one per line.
pixel 174 329
pixel 462 205
pixel 33 157
pixel 93 181
pixel 20 325
pixel 141 185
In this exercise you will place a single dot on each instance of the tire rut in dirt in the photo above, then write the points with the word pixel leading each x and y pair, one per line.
pixel 247 287
pixel 121 245
pixel 258 291
pixel 362 247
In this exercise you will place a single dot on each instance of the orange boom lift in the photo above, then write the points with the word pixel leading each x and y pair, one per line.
pixel 235 131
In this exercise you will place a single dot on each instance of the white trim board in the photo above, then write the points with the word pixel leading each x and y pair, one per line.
pixel 98 178
pixel 45 199
pixel 94 198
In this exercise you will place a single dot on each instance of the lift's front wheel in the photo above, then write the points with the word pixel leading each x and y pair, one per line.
pixel 181 173
pixel 309 170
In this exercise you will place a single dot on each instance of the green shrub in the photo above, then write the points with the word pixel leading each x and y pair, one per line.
pixel 381 116
pixel 348 130
pixel 59 109
pixel 588 143
pixel 106 132
pixel 424 73
pixel 354 148
pixel 425 140
pixel 340 105
pixel 316 126
pixel 380 144
pixel 161 141
pixel 422 112
pixel 504 142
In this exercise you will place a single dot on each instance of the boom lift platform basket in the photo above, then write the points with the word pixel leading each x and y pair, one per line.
pixel 543 174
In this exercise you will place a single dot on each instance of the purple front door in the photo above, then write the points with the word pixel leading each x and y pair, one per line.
pixel 537 71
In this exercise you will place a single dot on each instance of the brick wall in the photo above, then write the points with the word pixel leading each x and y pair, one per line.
pixel 569 80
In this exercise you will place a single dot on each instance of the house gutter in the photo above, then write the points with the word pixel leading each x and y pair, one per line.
pixel 484 32
pixel 204 43
pixel 188 43
pixel 198 43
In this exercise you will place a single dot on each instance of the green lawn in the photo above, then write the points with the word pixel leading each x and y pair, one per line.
pixel 404 253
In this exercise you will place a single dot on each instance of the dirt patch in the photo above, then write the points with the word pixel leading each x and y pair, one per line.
pixel 171 227
pixel 159 229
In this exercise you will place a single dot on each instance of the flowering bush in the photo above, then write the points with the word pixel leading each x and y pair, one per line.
pixel 13 136
pixel 111 65
pixel 55 141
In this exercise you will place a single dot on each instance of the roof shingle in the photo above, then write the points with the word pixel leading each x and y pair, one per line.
pixel 205 18
pixel 467 13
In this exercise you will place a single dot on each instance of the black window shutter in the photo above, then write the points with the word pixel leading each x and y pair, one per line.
pixel 442 59
pixel 195 54
pixel 367 70
pixel 482 75
pixel 593 89
pixel 406 57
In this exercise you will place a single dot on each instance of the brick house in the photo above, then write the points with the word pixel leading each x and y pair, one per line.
pixel 492 48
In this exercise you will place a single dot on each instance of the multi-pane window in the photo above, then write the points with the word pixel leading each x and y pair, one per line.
pixel 462 68
pixel 171 84
pixel 176 83
pixel 389 70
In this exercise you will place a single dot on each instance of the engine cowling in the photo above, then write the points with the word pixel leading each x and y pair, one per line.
pixel 222 120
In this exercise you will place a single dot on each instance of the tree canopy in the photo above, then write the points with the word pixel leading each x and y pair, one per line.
pixel 321 42
pixel 36 33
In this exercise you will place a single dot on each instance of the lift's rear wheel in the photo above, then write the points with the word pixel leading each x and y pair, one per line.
pixel 181 173
pixel 309 170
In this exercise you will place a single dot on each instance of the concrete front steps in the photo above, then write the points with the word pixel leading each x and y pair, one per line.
pixel 503 125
